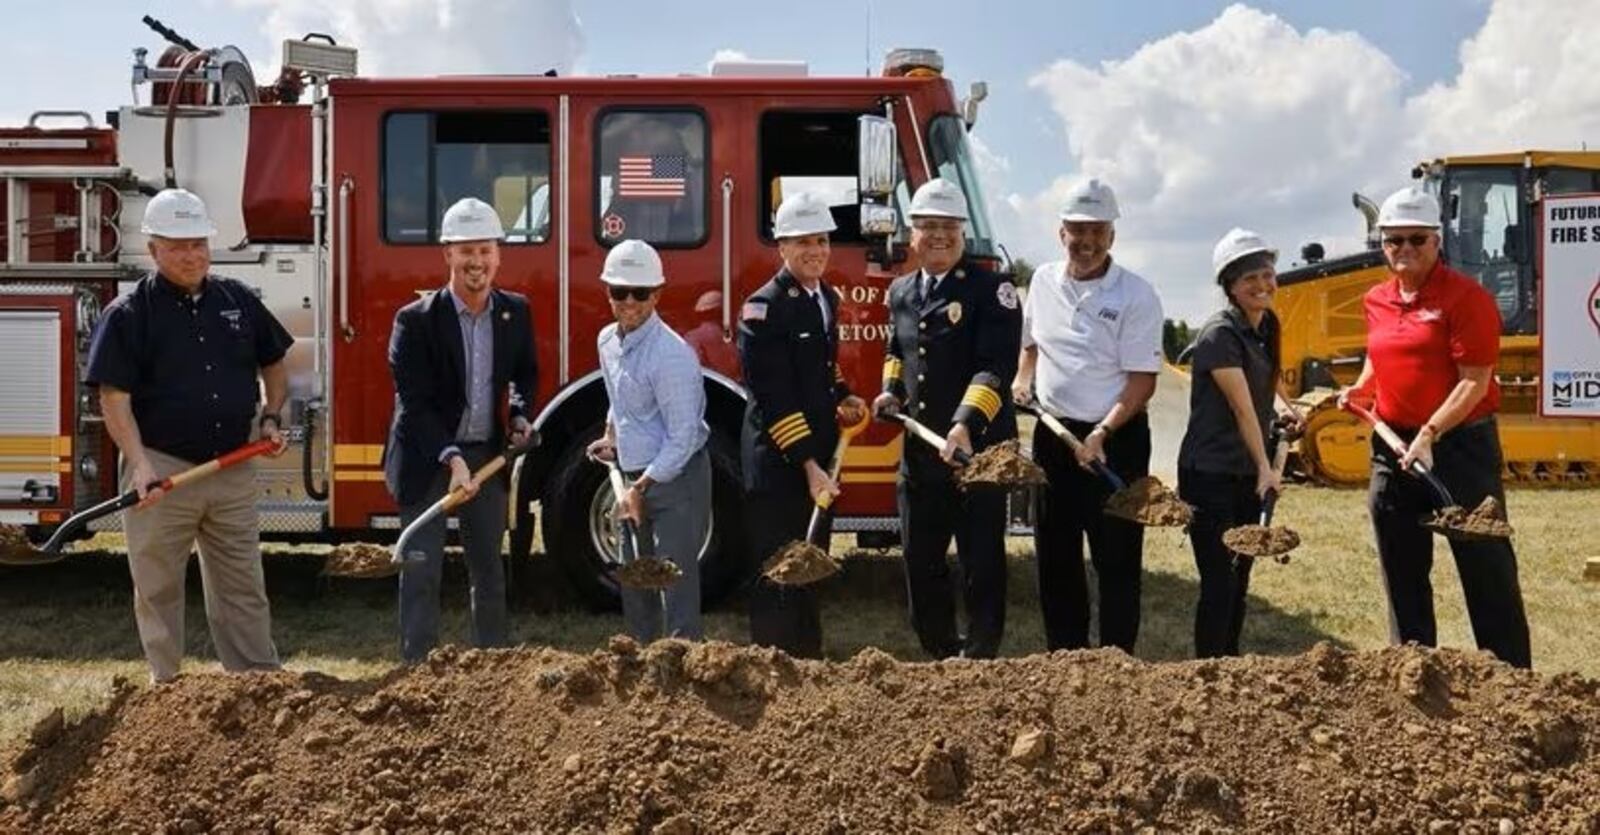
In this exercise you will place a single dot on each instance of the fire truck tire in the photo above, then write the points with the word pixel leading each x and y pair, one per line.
pixel 577 533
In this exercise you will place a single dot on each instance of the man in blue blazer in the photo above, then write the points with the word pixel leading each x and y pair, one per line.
pixel 463 364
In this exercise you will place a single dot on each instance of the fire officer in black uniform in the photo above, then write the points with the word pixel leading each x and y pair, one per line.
pixel 789 353
pixel 954 329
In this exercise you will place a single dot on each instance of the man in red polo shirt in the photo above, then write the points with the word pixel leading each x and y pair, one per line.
pixel 1433 337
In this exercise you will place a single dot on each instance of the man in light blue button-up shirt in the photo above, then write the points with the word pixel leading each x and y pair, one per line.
pixel 656 431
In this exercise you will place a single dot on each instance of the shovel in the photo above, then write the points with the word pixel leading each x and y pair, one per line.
pixel 999 467
pixel 51 551
pixel 1449 519
pixel 1263 540
pixel 1133 504
pixel 650 573
pixel 403 556
pixel 806 562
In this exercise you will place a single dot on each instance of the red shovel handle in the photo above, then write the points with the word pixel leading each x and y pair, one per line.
pixel 1383 429
pixel 221 462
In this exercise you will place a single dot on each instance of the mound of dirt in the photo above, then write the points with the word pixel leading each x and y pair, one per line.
pixel 1486 521
pixel 14 543
pixel 360 560
pixel 649 573
pixel 681 737
pixel 1261 541
pixel 1000 467
pixel 1149 502
pixel 799 564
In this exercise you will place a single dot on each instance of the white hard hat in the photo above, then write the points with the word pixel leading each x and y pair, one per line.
pixel 177 213
pixel 633 263
pixel 1235 245
pixel 1090 201
pixel 802 213
pixel 470 219
pixel 1410 206
pixel 939 197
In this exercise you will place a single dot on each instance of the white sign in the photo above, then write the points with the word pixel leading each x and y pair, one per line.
pixel 1569 306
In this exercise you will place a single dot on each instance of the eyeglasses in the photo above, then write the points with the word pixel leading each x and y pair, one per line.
pixel 948 227
pixel 1416 239
pixel 638 294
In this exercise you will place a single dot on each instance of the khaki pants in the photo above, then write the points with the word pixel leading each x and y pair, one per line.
pixel 219 515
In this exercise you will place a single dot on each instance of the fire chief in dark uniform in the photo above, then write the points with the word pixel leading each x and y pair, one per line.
pixel 789 354
pixel 954 331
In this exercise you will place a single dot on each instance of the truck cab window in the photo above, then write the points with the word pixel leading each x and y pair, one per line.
pixel 433 159
pixel 952 153
pixel 1484 237
pixel 650 180
pixel 811 151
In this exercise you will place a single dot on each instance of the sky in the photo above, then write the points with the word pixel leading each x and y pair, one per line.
pixel 1201 115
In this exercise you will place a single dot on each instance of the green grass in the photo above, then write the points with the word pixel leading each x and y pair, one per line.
pixel 68 630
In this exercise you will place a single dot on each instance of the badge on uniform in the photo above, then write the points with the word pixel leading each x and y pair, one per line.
pixel 960 273
pixel 505 315
pixel 793 293
pixel 1006 293
pixel 954 312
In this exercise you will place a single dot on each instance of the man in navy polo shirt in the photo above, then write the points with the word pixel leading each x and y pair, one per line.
pixel 177 362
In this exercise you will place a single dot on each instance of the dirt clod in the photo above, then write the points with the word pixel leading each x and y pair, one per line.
pixel 1486 521
pixel 15 546
pixel 360 560
pixel 1261 541
pixel 649 573
pixel 48 729
pixel 680 737
pixel 799 564
pixel 1149 502
pixel 1000 467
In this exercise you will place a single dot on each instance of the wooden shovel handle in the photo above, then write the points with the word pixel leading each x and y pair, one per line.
pixel 479 476
pixel 221 462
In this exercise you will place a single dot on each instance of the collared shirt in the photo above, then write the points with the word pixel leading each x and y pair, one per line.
pixel 1090 334
pixel 1416 347
pixel 822 305
pixel 927 283
pixel 190 363
pixel 1212 443
pixel 477 349
pixel 658 400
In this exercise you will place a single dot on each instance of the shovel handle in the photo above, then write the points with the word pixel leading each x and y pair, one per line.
pixel 1398 446
pixel 930 437
pixel 627 533
pixel 1061 431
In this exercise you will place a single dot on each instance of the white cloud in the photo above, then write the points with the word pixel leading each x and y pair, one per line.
pixel 1528 79
pixel 437 37
pixel 1247 121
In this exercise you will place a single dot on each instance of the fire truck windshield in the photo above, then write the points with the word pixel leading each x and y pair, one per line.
pixel 952 153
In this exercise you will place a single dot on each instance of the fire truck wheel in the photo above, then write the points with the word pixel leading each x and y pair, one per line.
pixel 580 535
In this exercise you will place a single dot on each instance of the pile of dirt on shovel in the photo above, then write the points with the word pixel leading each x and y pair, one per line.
pixel 1002 466
pixel 1261 541
pixel 1486 521
pixel 1149 502
pixel 649 573
pixel 798 564
pixel 679 737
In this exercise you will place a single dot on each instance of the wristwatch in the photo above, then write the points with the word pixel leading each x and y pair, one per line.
pixel 1106 428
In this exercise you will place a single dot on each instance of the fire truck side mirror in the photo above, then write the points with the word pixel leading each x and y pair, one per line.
pixel 876 167
pixel 878 221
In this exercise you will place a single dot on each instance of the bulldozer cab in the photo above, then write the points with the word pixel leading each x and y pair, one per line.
pixel 1490 226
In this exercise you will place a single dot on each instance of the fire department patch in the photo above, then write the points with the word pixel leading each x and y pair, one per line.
pixel 615 225
pixel 1007 295
pixel 793 293
pixel 754 312
pixel 954 312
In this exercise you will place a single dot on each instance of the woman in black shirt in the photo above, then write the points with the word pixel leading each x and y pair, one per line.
pixel 1224 466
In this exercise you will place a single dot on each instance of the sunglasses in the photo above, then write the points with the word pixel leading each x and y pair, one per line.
pixel 1416 239
pixel 638 294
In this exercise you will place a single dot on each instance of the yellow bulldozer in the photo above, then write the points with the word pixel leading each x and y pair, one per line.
pixel 1491 205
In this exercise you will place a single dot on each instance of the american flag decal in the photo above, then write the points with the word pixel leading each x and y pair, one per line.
pixel 662 175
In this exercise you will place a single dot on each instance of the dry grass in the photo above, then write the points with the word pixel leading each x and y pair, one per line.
pixel 68 630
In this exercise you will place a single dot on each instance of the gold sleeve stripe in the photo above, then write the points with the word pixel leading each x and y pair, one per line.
pixel 892 368
pixel 790 421
pixel 789 439
pixel 983 399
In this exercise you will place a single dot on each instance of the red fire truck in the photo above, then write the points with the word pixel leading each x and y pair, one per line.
pixel 330 208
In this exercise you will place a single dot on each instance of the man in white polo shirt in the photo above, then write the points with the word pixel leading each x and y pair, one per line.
pixel 1091 348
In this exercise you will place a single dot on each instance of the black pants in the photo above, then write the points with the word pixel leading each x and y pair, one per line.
pixel 785 617
pixel 1468 461
pixel 1221 501
pixel 1067 510
pixel 932 510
